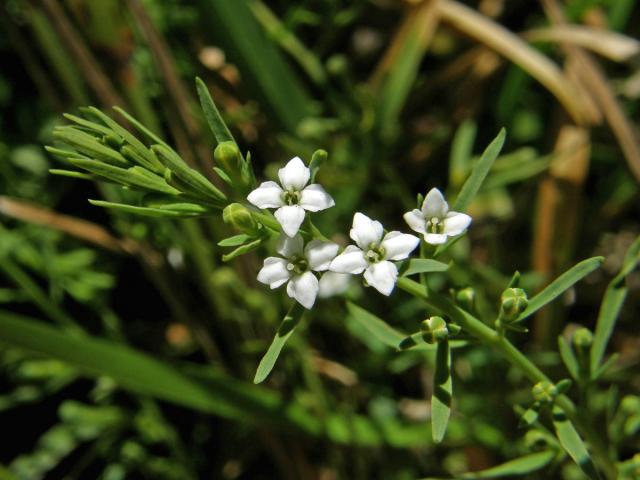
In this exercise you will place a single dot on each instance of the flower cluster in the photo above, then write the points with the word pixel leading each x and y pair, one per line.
pixel 316 269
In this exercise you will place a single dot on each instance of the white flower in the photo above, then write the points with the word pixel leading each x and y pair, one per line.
pixel 297 266
pixel 373 253
pixel 435 221
pixel 332 283
pixel 292 198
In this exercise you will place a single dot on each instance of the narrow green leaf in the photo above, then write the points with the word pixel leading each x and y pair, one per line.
pixel 72 174
pixel 145 211
pixel 612 302
pixel 515 280
pixel 442 392
pixel 89 145
pixel 241 250
pixel 140 127
pixel 285 330
pixel 234 241
pixel 214 119
pixel 101 129
pixel 560 285
pixel 194 179
pixel 134 176
pixel 376 326
pixel 568 357
pixel 606 365
pixel 479 173
pixel 572 443
pixel 519 466
pixel 422 265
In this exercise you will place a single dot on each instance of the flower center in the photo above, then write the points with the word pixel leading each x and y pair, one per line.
pixel 435 225
pixel 291 197
pixel 298 265
pixel 374 254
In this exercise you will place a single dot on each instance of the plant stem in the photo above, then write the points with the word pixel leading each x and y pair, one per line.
pixel 490 337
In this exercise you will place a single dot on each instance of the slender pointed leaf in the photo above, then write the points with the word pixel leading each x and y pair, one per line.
pixel 568 357
pixel 422 265
pixel 285 330
pixel 572 443
pixel 234 241
pixel 442 392
pixel 376 326
pixel 145 211
pixel 479 173
pixel 212 115
pixel 560 285
pixel 519 466
pixel 612 302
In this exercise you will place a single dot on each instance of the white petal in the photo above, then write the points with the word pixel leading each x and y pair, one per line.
pixel 290 218
pixel 434 205
pixel 455 223
pixel 274 272
pixel 332 283
pixel 435 238
pixel 319 254
pixel 314 198
pixel 416 221
pixel 350 261
pixel 382 276
pixel 398 245
pixel 304 288
pixel 294 175
pixel 365 231
pixel 267 195
pixel 289 246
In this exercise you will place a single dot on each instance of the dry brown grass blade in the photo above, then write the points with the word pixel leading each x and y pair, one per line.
pixel 419 24
pixel 611 45
pixel 511 46
pixel 82 229
pixel 88 65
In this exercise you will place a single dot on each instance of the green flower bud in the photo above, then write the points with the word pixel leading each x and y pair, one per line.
pixel 514 302
pixel 466 298
pixel 544 392
pixel 240 218
pixel 228 156
pixel 582 339
pixel 434 330
pixel 536 440
pixel 630 404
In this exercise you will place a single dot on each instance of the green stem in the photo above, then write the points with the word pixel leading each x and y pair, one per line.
pixel 490 337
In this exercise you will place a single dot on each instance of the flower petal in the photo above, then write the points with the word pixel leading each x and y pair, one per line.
pixel 365 231
pixel 332 283
pixel 289 246
pixel 350 261
pixel 319 254
pixel 382 276
pixel 416 221
pixel 304 288
pixel 398 245
pixel 314 198
pixel 455 223
pixel 434 205
pixel 290 218
pixel 435 238
pixel 294 175
pixel 267 195
pixel 274 272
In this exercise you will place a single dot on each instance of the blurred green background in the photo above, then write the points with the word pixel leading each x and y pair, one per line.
pixel 403 96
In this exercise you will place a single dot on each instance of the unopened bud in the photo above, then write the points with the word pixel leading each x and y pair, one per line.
pixel 466 298
pixel 514 302
pixel 582 339
pixel 544 392
pixel 228 156
pixel 240 218
pixel 434 330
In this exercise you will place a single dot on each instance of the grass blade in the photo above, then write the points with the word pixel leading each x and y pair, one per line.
pixel 614 297
pixel 214 119
pixel 560 285
pixel 285 330
pixel 442 391
pixel 573 444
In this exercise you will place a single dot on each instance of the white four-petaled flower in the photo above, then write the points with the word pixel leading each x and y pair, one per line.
pixel 297 266
pixel 373 253
pixel 435 221
pixel 292 197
